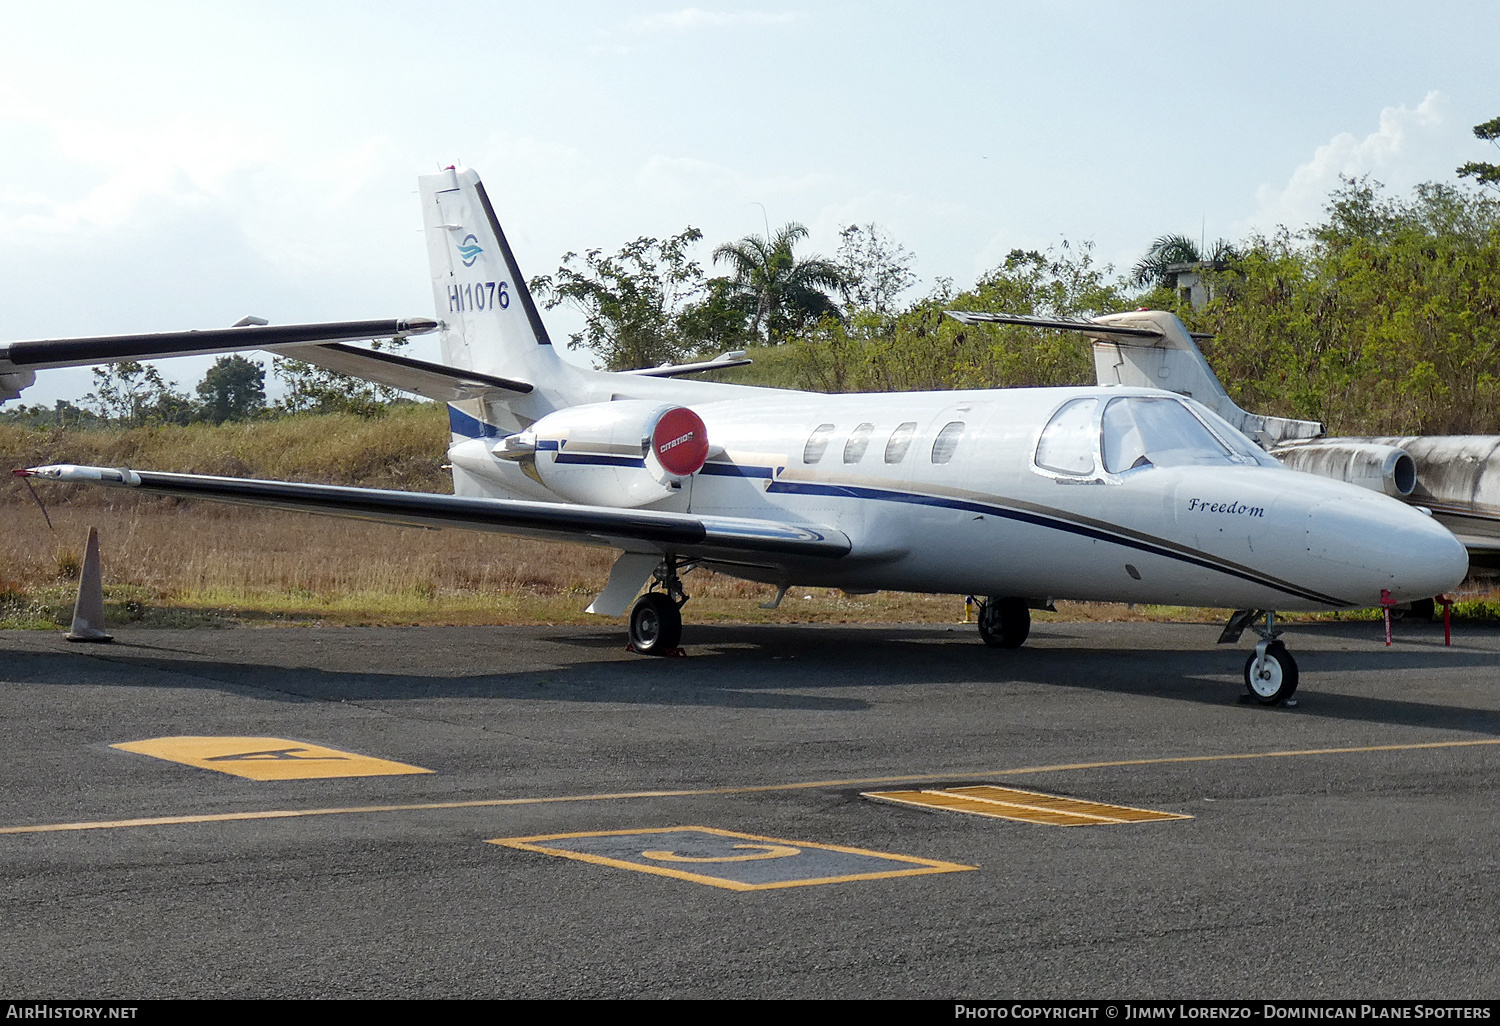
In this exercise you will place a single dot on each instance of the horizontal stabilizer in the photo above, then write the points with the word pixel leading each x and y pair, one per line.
pixel 977 317
pixel 687 534
pixel 672 370
pixel 1093 328
pixel 37 354
pixel 433 380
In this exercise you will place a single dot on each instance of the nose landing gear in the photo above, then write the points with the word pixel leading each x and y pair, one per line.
pixel 1270 671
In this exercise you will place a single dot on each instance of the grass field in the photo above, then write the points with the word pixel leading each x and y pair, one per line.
pixel 171 563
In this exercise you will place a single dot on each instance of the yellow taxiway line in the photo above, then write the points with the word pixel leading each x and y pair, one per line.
pixel 486 803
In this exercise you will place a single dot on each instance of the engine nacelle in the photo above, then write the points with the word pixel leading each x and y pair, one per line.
pixel 1380 468
pixel 625 453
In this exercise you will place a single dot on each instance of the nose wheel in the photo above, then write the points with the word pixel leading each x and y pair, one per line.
pixel 1270 673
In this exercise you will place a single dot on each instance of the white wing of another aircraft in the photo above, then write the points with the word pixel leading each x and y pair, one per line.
pixel 1019 495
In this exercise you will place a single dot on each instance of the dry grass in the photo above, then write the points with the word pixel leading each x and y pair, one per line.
pixel 173 563
pixel 404 449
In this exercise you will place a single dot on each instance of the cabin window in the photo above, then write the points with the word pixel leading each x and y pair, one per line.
pixel 1069 440
pixel 1146 431
pixel 859 441
pixel 944 445
pixel 817 443
pixel 895 449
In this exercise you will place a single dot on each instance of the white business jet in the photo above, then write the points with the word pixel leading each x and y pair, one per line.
pixel 1021 495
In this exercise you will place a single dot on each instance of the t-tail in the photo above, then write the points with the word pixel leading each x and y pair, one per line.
pixel 491 324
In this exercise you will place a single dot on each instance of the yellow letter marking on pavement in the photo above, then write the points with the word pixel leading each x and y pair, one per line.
pixel 1022 806
pixel 767 851
pixel 266 758
pixel 771 862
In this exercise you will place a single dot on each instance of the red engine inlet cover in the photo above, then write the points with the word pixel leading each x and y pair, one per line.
pixel 680 442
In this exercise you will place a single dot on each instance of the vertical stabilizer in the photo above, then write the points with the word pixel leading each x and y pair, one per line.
pixel 492 324
pixel 1173 361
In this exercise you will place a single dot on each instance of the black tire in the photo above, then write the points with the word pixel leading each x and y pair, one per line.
pixel 1279 676
pixel 655 624
pixel 1004 622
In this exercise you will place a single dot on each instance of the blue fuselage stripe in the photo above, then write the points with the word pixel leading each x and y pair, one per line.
pixel 1040 520
pixel 734 470
pixel 460 423
pixel 589 459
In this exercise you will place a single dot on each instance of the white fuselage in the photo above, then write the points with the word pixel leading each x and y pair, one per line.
pixel 979 516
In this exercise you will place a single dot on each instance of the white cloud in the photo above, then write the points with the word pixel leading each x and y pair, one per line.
pixel 691 19
pixel 1399 153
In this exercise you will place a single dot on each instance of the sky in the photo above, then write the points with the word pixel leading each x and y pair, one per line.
pixel 167 166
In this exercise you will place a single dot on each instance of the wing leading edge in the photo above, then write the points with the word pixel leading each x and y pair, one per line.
pixel 682 533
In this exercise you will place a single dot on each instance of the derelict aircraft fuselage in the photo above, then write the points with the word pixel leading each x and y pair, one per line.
pixel 1017 495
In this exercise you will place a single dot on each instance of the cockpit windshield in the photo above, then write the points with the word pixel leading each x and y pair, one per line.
pixel 1133 433
pixel 1142 431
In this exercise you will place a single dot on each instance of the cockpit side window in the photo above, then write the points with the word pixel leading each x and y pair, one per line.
pixel 1069 441
pixel 1235 439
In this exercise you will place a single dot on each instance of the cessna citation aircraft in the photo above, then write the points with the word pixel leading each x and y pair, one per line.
pixel 1022 495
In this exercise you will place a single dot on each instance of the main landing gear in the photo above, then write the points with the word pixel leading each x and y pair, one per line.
pixel 656 617
pixel 1004 622
pixel 1270 671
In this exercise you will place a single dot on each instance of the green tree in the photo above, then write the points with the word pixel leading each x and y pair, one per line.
pixel 62 414
pixel 132 394
pixel 647 304
pixel 314 389
pixel 875 268
pixel 1383 318
pixel 921 348
pixel 717 320
pixel 1483 173
pixel 784 293
pixel 1170 250
pixel 233 389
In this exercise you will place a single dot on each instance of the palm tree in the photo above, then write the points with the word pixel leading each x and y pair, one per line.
pixel 1174 249
pixel 785 293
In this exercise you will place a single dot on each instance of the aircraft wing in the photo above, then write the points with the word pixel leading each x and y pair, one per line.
pixel 40 354
pixel 1484 550
pixel 736 358
pixel 740 539
pixel 433 380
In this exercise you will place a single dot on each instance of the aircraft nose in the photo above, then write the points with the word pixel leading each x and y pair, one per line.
pixel 1408 553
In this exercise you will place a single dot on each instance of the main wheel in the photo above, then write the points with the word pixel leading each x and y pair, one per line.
pixel 1004 622
pixel 655 624
pixel 1276 678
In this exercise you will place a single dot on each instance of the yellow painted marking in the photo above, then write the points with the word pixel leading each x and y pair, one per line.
pixel 492 803
pixel 921 867
pixel 1023 806
pixel 266 758
pixel 767 851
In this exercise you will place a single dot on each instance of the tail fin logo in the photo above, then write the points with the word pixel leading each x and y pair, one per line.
pixel 469 250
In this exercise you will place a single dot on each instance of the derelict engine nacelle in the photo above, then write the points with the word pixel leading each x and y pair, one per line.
pixel 1380 468
pixel 626 453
